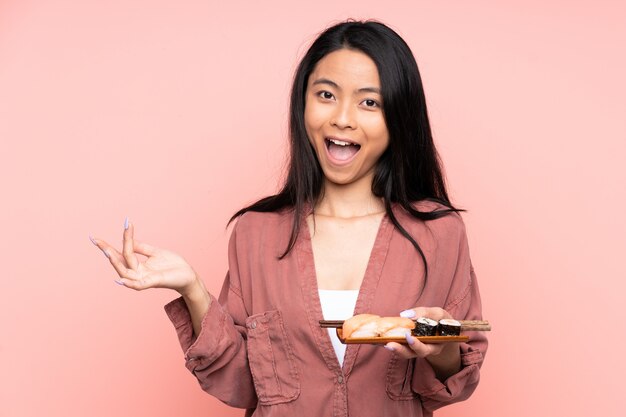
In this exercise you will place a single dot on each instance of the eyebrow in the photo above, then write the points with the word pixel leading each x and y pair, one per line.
pixel 335 85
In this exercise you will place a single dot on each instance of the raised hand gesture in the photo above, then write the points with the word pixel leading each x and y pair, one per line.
pixel 160 268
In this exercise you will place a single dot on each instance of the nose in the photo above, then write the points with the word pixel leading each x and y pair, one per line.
pixel 344 117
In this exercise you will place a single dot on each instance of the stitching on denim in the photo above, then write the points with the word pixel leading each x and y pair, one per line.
pixel 451 305
pixel 393 363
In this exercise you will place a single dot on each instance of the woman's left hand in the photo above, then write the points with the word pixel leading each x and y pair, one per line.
pixel 445 358
pixel 415 348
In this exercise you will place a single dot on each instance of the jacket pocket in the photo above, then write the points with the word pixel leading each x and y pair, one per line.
pixel 399 377
pixel 271 359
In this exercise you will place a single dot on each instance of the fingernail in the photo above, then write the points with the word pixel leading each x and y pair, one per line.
pixel 409 314
pixel 118 282
pixel 93 240
pixel 390 348
pixel 106 254
pixel 409 338
pixel 126 223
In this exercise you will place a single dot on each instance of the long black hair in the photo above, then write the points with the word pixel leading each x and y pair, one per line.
pixel 408 171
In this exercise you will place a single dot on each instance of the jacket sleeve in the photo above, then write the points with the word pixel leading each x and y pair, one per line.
pixel 218 356
pixel 463 302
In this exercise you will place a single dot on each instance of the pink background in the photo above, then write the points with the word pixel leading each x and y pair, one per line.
pixel 174 114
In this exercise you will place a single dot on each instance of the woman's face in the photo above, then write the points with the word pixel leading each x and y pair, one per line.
pixel 343 116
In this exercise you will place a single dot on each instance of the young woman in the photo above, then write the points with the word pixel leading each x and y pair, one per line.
pixel 363 224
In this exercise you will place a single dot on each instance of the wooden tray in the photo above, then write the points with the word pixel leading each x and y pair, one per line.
pixel 466 325
pixel 401 340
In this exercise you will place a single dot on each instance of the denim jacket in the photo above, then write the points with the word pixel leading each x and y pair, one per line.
pixel 261 346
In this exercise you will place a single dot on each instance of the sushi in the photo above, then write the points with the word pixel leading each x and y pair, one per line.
pixel 370 325
pixel 425 327
pixel 394 326
pixel 449 327
pixel 364 326
pixel 361 325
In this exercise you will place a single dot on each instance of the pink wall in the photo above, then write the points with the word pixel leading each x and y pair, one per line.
pixel 174 114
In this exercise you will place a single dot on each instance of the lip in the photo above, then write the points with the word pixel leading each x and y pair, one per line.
pixel 338 162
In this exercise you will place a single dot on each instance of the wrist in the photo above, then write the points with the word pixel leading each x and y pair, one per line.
pixel 448 362
pixel 194 290
pixel 198 301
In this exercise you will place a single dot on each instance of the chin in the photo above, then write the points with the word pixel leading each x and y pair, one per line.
pixel 343 179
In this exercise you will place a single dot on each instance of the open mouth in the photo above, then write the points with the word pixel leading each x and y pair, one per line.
pixel 341 150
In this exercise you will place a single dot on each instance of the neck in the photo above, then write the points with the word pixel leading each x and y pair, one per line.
pixel 349 200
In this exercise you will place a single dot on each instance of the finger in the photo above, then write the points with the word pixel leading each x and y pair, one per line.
pixel 117 260
pixel 132 284
pixel 128 247
pixel 411 313
pixel 100 244
pixel 106 249
pixel 127 277
pixel 420 349
pixel 139 284
pixel 435 313
pixel 144 249
pixel 119 264
pixel 401 350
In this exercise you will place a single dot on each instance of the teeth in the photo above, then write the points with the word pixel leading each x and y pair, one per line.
pixel 339 142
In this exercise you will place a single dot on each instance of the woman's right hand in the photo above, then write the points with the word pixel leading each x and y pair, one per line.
pixel 160 269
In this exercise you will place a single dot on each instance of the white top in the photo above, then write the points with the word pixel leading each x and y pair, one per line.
pixel 338 305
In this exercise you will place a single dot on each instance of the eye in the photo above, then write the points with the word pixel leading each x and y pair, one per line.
pixel 370 103
pixel 326 95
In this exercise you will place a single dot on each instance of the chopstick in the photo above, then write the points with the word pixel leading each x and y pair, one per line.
pixel 331 324
pixel 466 325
